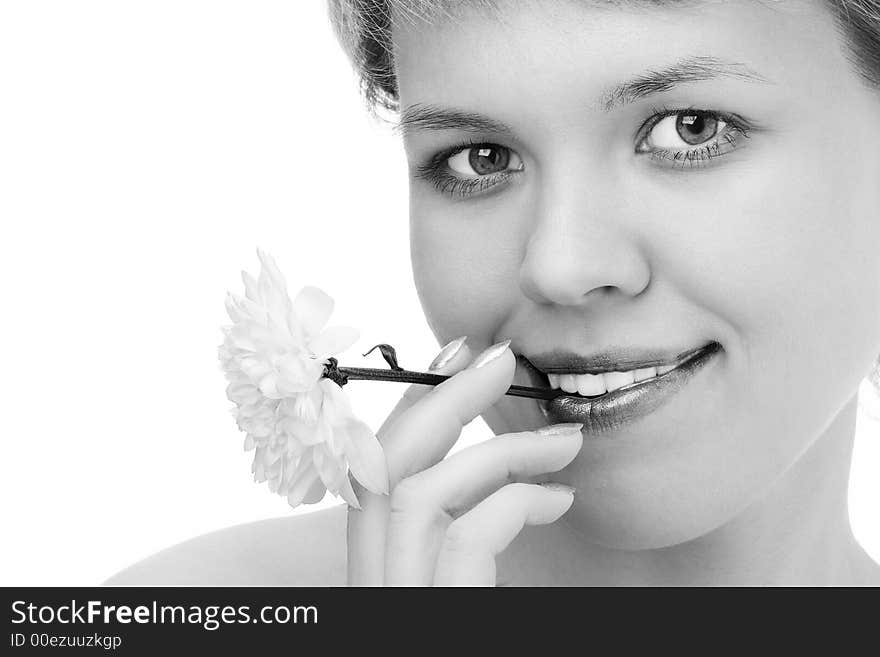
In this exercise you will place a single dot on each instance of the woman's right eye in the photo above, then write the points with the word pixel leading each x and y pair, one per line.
pixel 470 168
pixel 484 159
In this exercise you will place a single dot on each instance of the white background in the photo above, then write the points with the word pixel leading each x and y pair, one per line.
pixel 146 150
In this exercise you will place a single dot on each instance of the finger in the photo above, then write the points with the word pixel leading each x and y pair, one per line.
pixel 467 556
pixel 421 436
pixel 367 526
pixel 453 357
pixel 423 505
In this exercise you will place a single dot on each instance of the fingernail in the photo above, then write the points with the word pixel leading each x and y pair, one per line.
pixel 447 353
pixel 561 488
pixel 490 354
pixel 560 429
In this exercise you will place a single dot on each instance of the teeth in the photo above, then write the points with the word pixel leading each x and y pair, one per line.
pixel 645 373
pixel 591 385
pixel 567 382
pixel 615 380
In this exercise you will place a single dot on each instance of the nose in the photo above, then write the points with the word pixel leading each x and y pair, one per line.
pixel 581 249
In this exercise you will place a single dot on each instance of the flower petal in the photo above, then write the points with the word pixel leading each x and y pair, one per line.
pixel 316 493
pixel 251 289
pixel 301 485
pixel 312 308
pixel 336 408
pixel 272 290
pixel 232 308
pixel 347 493
pixel 271 279
pixel 329 469
pixel 332 340
pixel 366 459
pixel 297 374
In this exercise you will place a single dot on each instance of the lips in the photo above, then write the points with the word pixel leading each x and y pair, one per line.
pixel 626 404
pixel 607 361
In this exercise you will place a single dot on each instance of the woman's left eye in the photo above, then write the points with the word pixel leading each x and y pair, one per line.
pixel 690 137
pixel 470 168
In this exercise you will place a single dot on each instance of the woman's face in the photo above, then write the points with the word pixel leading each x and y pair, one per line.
pixel 732 199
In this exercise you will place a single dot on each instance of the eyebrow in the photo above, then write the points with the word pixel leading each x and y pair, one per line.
pixel 424 116
pixel 690 69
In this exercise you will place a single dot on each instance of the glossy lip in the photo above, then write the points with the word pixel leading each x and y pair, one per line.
pixel 615 409
pixel 618 360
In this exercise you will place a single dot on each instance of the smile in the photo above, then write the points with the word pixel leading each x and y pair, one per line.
pixel 604 393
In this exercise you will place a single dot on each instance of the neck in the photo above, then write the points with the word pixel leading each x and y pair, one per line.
pixel 797 534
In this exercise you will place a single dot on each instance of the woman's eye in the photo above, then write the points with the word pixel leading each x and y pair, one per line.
pixel 470 168
pixel 685 131
pixel 691 137
pixel 483 160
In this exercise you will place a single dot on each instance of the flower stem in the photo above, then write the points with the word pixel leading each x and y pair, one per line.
pixel 342 375
pixel 406 376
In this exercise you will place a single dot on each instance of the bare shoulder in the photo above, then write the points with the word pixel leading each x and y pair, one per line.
pixel 301 550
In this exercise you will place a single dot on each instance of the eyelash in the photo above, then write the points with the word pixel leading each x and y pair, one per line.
pixel 737 126
pixel 435 171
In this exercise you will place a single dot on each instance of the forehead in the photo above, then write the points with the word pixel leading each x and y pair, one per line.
pixel 437 11
pixel 490 50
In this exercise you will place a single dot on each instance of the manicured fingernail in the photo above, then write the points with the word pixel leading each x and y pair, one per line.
pixel 490 354
pixel 560 429
pixel 561 488
pixel 447 353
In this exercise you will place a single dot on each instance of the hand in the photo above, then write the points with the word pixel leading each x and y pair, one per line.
pixel 445 521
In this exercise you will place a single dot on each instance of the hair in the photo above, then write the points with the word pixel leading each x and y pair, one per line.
pixel 364 30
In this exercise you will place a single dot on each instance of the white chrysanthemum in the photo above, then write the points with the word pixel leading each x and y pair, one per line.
pixel 301 426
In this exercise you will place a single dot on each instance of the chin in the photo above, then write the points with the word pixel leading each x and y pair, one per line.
pixel 622 507
pixel 628 525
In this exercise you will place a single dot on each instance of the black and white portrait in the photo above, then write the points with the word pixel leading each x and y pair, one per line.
pixel 434 293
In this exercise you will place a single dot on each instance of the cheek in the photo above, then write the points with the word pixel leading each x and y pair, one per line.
pixel 782 246
pixel 465 265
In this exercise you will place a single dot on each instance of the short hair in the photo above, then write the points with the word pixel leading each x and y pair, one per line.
pixel 363 29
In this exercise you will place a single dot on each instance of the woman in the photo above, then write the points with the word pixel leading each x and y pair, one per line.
pixel 656 199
